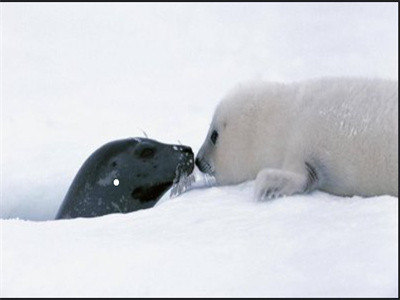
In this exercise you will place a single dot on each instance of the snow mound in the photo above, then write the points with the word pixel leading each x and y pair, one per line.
pixel 211 242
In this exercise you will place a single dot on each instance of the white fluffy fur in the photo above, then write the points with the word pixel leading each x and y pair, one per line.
pixel 347 129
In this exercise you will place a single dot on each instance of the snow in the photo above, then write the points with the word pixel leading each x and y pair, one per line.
pixel 76 76
pixel 212 242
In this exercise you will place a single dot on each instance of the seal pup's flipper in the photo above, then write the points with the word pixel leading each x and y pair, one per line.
pixel 273 183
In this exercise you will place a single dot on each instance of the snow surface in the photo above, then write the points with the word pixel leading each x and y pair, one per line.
pixel 211 242
pixel 76 76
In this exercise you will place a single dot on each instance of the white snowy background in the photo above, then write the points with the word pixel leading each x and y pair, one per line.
pixel 75 76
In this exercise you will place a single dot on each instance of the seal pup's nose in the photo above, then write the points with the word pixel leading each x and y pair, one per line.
pixel 203 165
pixel 197 161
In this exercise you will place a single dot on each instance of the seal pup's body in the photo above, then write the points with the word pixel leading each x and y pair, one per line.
pixel 337 135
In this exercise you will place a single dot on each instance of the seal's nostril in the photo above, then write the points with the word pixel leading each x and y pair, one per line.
pixel 186 150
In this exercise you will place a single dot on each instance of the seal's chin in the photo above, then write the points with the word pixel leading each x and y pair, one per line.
pixel 182 184
pixel 183 177
pixel 151 193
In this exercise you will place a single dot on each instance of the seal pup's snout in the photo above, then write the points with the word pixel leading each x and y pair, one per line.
pixel 203 165
pixel 198 163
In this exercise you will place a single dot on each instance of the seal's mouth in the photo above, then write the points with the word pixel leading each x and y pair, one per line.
pixel 184 167
pixel 183 175
pixel 150 193
pixel 180 181
pixel 182 184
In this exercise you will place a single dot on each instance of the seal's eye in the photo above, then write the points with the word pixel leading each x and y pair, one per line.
pixel 214 137
pixel 147 153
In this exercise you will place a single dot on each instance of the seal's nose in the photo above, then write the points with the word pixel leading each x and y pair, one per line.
pixel 186 149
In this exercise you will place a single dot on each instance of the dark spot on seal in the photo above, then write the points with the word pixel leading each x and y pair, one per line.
pixel 144 194
pixel 136 193
pixel 147 153
pixel 114 164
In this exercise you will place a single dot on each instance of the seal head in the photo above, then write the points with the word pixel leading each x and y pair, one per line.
pixel 124 176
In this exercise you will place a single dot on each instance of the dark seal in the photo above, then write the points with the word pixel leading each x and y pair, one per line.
pixel 124 176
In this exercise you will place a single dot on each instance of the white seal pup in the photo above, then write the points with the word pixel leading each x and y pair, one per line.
pixel 338 135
